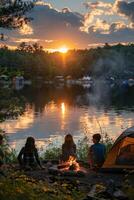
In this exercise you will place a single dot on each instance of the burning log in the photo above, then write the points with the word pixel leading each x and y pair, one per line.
pixel 71 164
pixel 63 166
pixel 73 167
pixel 68 168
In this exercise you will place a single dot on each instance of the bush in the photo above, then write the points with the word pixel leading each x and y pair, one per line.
pixel 107 141
pixel 10 155
pixel 52 153
pixel 82 149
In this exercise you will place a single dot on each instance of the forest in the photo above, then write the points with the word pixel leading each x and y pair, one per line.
pixel 31 61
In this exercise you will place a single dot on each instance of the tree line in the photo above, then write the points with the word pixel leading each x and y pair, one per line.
pixel 32 61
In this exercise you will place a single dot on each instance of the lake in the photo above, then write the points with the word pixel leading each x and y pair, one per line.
pixel 51 112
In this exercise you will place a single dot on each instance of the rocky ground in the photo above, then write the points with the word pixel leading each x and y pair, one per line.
pixel 97 185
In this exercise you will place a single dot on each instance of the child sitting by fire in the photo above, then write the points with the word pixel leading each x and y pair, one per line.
pixel 68 148
pixel 28 156
pixel 96 152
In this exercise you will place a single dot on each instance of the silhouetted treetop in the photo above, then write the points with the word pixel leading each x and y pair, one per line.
pixel 12 13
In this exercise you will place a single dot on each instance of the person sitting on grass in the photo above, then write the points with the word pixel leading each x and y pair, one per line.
pixel 28 156
pixel 97 152
pixel 1 151
pixel 68 148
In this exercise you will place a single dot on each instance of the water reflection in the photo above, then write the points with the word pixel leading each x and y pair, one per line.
pixel 23 122
pixel 63 109
pixel 50 113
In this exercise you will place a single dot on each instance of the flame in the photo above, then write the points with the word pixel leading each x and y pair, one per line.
pixel 72 162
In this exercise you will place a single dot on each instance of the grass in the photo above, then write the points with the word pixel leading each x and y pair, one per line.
pixel 17 186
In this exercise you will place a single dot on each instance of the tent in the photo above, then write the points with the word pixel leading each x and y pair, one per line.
pixel 121 155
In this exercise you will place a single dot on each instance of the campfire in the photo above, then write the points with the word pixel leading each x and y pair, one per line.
pixel 68 168
pixel 71 164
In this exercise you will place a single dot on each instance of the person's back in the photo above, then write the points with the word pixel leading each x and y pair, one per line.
pixel 68 151
pixel 68 148
pixel 28 155
pixel 97 152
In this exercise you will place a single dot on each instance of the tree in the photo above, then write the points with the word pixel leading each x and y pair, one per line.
pixel 30 48
pixel 12 13
pixel 11 105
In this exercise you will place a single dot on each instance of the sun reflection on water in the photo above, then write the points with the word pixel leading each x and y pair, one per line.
pixel 63 112
pixel 59 118
pixel 63 108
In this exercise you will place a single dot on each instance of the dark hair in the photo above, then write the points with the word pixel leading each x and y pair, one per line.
pixel 97 137
pixel 69 140
pixel 1 137
pixel 30 144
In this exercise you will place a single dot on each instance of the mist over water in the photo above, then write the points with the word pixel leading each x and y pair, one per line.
pixel 52 112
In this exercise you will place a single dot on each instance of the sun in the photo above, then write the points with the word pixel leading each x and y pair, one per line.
pixel 63 49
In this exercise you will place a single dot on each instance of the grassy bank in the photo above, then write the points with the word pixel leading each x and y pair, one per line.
pixel 17 186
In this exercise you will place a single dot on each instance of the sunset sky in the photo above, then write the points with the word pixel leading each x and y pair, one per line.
pixel 76 24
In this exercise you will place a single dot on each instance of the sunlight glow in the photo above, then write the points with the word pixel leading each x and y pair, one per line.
pixel 63 49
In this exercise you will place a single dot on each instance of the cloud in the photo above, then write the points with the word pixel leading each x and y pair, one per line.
pixel 89 18
pixel 101 26
pixel 49 13
pixel 116 26
pixel 125 8
pixel 66 10
pixel 27 40
pixel 53 28
pixel 97 8
pixel 26 30
pixel 49 41
pixel 42 3
pixel 114 34
pixel 97 4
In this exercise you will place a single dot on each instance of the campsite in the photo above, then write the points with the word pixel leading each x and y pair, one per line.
pixel 66 100
pixel 114 180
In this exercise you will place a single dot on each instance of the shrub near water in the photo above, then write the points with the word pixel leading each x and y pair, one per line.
pixel 82 149
pixel 83 144
pixel 10 155
pixel 52 153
